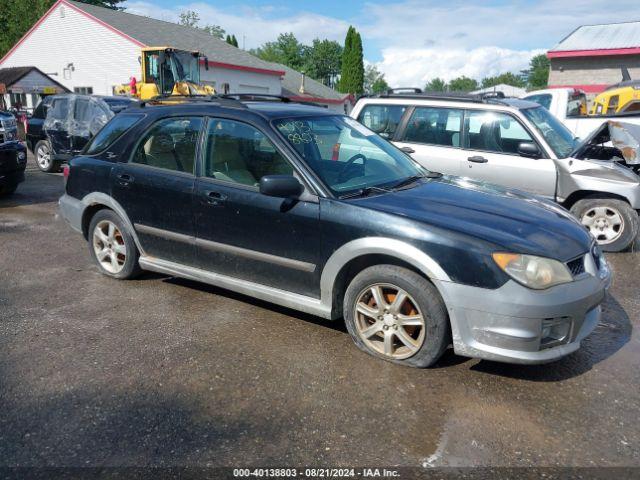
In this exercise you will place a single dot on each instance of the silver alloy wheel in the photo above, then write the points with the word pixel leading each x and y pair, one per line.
pixel 389 321
pixel 43 157
pixel 109 247
pixel 606 224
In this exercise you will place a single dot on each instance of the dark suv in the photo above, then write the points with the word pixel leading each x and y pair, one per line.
pixel 61 125
pixel 252 197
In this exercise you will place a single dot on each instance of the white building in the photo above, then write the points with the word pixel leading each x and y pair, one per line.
pixel 91 49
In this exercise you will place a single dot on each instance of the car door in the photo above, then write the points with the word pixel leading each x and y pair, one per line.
pixel 156 185
pixel 491 141
pixel 432 136
pixel 242 233
pixel 56 126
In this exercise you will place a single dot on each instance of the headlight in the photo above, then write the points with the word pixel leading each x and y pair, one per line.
pixel 533 272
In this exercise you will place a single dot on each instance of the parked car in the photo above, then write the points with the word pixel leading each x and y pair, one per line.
pixel 518 144
pixel 247 196
pixel 8 127
pixel 61 125
pixel 569 105
pixel 13 161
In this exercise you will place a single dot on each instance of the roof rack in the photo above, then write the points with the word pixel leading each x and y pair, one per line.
pixel 493 97
pixel 266 97
pixel 217 99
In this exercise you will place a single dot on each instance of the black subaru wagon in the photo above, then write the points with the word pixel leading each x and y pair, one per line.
pixel 308 209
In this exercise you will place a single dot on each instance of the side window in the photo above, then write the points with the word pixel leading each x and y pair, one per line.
pixel 41 110
pixel 494 132
pixel 170 144
pixel 577 105
pixel 239 153
pixel 434 126
pixel 544 100
pixel 111 131
pixel 382 119
pixel 59 108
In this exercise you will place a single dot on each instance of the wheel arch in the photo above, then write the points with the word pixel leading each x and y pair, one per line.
pixel 578 195
pixel 353 257
pixel 96 201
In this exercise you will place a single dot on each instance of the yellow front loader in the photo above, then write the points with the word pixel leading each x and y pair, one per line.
pixel 167 72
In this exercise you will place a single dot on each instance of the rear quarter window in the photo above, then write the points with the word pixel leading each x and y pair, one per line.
pixel 111 132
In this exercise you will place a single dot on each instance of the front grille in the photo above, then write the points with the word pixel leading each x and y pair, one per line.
pixel 576 267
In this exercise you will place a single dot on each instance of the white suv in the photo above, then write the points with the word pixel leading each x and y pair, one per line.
pixel 518 144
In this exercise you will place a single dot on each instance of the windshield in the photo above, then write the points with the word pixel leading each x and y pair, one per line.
pixel 185 67
pixel 346 155
pixel 559 137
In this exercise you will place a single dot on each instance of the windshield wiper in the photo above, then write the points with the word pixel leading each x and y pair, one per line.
pixel 364 192
pixel 415 178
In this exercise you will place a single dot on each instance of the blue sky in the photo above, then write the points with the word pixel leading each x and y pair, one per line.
pixel 411 41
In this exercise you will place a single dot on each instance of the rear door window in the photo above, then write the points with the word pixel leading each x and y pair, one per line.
pixel 170 144
pixel 434 126
pixel 382 119
pixel 111 132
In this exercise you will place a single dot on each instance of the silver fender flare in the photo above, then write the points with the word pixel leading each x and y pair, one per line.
pixel 99 198
pixel 382 246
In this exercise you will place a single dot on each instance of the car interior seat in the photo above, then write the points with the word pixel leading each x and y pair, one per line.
pixel 227 162
pixel 160 152
pixel 490 136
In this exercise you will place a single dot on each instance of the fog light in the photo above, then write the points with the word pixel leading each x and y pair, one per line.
pixel 21 156
pixel 555 331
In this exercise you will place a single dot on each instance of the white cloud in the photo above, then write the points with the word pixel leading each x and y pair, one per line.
pixel 418 39
pixel 256 25
pixel 406 67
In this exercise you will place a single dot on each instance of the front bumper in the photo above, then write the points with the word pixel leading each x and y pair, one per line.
pixel 10 179
pixel 506 324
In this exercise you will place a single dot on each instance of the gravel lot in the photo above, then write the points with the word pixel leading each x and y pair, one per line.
pixel 161 371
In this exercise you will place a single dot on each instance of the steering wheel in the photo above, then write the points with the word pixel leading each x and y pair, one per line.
pixel 348 165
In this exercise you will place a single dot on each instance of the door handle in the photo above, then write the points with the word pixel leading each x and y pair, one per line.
pixel 124 179
pixel 408 150
pixel 213 198
pixel 477 159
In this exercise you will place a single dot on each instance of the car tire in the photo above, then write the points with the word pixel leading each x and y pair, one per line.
pixel 413 333
pixel 7 190
pixel 42 153
pixel 112 247
pixel 612 222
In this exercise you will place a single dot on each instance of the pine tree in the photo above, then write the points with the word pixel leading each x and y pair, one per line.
pixel 347 70
pixel 234 40
pixel 358 65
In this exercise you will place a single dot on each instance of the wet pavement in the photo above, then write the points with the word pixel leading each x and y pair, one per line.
pixel 161 371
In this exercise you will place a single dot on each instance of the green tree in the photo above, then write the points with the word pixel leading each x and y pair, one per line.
pixel 538 73
pixel 190 18
pixel 463 84
pixel 436 85
pixel 234 41
pixel 504 78
pixel 352 74
pixel 286 50
pixel 374 81
pixel 322 61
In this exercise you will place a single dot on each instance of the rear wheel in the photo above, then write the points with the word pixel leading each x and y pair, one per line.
pixel 112 247
pixel 395 314
pixel 612 222
pixel 44 161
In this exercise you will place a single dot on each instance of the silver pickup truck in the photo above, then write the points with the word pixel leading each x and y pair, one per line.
pixel 519 144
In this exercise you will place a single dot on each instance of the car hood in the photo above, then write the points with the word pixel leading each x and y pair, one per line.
pixel 510 219
pixel 624 136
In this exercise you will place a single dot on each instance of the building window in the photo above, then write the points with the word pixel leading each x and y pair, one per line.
pixel 83 90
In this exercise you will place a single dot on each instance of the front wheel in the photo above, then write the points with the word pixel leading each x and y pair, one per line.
pixel 613 223
pixel 112 247
pixel 397 315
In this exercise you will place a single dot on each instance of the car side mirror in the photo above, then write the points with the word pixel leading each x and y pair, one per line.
pixel 529 150
pixel 281 186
